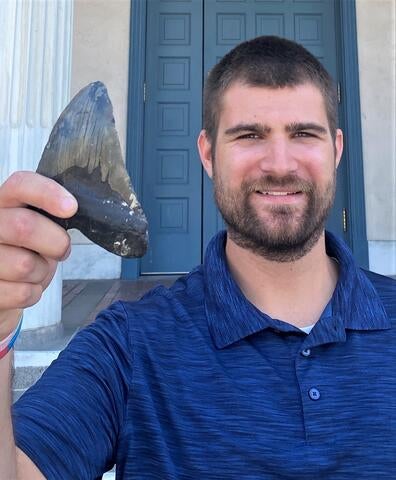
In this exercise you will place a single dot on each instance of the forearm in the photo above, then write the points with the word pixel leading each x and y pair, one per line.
pixel 7 444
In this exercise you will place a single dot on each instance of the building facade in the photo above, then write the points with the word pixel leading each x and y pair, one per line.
pixel 112 29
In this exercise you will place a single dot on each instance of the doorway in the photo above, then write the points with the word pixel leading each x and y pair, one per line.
pixel 183 40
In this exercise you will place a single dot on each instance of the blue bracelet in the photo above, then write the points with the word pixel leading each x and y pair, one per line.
pixel 10 345
pixel 16 334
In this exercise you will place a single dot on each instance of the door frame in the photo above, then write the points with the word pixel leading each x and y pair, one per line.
pixel 347 57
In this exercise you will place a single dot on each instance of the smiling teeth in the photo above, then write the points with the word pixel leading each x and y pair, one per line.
pixel 278 194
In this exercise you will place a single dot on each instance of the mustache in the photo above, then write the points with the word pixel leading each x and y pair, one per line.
pixel 292 183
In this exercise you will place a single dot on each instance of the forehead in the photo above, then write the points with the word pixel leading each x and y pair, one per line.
pixel 246 103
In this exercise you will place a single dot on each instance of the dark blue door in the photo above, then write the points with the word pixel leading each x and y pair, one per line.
pixel 172 174
pixel 184 40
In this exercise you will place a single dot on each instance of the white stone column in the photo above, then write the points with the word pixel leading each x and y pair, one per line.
pixel 35 66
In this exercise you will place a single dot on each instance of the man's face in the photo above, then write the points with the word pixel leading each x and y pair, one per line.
pixel 273 168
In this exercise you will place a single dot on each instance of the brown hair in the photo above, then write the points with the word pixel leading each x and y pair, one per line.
pixel 266 61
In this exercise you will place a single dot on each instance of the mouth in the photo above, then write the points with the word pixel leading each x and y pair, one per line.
pixel 276 193
pixel 279 197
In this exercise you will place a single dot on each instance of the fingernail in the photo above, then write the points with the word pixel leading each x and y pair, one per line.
pixel 68 203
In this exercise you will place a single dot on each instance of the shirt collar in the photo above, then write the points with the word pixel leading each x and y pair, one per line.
pixel 231 317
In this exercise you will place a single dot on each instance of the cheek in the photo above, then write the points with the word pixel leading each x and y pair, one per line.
pixel 231 166
pixel 241 162
pixel 315 161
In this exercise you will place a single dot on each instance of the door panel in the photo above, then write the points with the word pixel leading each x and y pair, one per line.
pixel 172 176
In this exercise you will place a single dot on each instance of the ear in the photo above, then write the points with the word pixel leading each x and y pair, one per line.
pixel 339 145
pixel 205 152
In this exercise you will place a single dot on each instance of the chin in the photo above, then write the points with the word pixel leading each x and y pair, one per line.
pixel 279 244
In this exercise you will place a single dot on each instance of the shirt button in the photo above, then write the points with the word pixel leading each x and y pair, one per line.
pixel 314 394
pixel 306 352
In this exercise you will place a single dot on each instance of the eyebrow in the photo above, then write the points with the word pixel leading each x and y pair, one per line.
pixel 297 127
pixel 264 130
pixel 247 127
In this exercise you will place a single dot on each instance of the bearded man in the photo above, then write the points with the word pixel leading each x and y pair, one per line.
pixel 273 360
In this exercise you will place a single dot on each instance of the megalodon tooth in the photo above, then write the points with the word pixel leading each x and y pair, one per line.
pixel 83 154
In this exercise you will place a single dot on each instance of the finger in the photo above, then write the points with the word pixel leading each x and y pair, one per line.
pixel 51 271
pixel 19 294
pixel 22 265
pixel 30 188
pixel 25 228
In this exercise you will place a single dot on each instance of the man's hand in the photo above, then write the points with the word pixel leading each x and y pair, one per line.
pixel 30 247
pixel 30 244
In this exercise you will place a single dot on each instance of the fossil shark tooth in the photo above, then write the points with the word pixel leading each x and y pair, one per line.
pixel 83 154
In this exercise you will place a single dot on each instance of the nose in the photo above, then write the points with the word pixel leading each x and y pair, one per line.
pixel 278 158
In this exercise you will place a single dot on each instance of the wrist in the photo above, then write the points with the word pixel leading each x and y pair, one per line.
pixel 7 343
pixel 9 320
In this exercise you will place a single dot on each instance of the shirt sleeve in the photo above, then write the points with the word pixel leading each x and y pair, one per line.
pixel 69 422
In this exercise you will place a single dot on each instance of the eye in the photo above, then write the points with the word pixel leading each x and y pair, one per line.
pixel 248 136
pixel 304 134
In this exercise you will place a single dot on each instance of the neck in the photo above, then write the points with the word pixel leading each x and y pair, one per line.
pixel 295 292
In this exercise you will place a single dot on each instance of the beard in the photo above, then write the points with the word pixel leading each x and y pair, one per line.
pixel 283 233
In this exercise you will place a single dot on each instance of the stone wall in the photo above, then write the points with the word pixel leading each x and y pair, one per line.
pixel 100 52
pixel 376 47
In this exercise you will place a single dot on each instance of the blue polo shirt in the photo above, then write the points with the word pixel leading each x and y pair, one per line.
pixel 193 382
